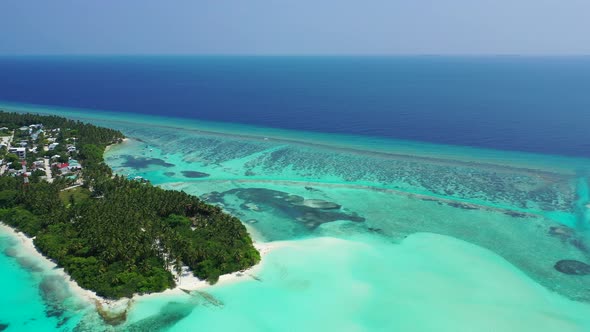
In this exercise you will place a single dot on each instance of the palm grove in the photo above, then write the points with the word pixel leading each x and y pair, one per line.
pixel 117 236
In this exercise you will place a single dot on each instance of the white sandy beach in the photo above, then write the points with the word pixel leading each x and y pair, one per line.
pixel 111 145
pixel 29 250
pixel 186 281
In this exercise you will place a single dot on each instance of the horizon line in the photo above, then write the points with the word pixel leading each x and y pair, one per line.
pixel 291 55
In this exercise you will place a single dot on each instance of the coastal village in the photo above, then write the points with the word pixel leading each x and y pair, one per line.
pixel 35 152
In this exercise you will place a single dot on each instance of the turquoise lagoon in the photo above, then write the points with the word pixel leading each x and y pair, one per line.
pixel 373 234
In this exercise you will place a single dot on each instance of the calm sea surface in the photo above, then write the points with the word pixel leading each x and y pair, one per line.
pixel 507 103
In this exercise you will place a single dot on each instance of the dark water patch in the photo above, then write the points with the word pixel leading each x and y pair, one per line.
pixel 194 174
pixel 11 252
pixel 55 292
pixel 375 230
pixel 308 212
pixel 516 214
pixel 168 316
pixel 561 232
pixel 463 206
pixel 3 326
pixel 580 244
pixel 169 174
pixel 207 299
pixel 573 267
pixel 142 162
pixel 568 235
pixel 255 277
pixel 29 264
pixel 428 199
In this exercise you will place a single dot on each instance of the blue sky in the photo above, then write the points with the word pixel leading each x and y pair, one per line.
pixel 295 27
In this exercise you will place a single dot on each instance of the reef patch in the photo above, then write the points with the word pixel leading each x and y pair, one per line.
pixel 309 212
pixel 573 267
pixel 168 316
pixel 11 252
pixel 142 162
pixel 29 264
pixel 54 291
pixel 194 174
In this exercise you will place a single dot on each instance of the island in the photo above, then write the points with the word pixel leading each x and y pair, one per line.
pixel 113 235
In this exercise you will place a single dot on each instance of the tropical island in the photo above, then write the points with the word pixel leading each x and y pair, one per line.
pixel 114 236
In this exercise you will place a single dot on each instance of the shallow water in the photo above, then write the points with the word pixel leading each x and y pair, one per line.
pixel 428 282
pixel 35 297
pixel 380 235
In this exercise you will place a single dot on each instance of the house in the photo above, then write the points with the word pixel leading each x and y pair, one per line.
pixel 3 128
pixel 35 135
pixel 74 165
pixel 63 168
pixel 20 152
pixel 52 146
pixel 23 128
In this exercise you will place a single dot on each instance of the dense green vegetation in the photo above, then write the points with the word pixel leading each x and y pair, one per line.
pixel 116 236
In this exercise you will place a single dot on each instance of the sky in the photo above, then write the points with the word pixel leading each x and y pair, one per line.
pixel 310 27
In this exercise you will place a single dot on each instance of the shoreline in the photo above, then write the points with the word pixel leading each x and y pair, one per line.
pixel 186 282
pixel 114 311
pixel 29 250
pixel 108 147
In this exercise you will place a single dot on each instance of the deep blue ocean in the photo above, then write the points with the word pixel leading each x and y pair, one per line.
pixel 536 104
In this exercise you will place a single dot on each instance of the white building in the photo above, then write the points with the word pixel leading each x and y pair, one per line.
pixel 20 152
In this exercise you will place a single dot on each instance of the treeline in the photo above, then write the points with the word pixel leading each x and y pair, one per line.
pixel 125 236
pixel 86 133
